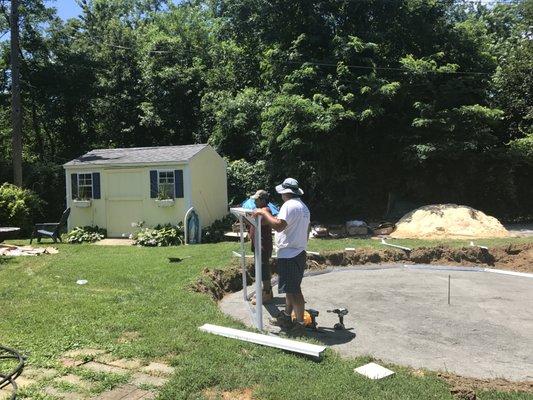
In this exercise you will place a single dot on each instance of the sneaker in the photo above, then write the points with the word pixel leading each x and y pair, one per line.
pixel 282 320
pixel 297 329
pixel 267 297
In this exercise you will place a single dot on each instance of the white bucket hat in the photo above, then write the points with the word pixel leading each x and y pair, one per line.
pixel 289 185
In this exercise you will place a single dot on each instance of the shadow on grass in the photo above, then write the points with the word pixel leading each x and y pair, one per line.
pixel 4 261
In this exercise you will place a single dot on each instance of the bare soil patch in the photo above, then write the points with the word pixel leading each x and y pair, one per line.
pixel 237 394
pixel 462 386
pixel 129 336
pixel 516 257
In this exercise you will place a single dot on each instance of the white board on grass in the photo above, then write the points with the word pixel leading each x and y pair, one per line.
pixel 266 340
pixel 374 371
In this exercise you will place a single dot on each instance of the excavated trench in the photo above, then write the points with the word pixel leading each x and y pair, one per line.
pixel 516 257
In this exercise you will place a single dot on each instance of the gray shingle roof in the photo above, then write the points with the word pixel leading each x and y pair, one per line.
pixel 138 155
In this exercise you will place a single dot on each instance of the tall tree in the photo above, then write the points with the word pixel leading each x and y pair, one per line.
pixel 16 103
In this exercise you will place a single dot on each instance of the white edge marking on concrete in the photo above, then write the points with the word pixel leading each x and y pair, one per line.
pixel 505 272
pixel 431 267
pixel 374 371
pixel 467 269
pixel 266 340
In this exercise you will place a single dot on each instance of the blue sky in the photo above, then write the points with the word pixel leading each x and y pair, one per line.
pixel 66 8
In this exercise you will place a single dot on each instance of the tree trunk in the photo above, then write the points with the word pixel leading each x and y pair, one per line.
pixel 41 150
pixel 16 106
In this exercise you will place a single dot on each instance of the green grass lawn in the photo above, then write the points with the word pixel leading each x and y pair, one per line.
pixel 341 244
pixel 43 313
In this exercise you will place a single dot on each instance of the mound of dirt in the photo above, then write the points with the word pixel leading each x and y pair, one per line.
pixel 448 221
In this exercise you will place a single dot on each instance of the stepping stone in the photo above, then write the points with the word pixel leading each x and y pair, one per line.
pixel 23 382
pixel 75 380
pixel 51 391
pixel 70 362
pixel 39 373
pixel 125 363
pixel 126 392
pixel 140 379
pixel 158 369
pixel 98 367
pixel 80 353
pixel 5 393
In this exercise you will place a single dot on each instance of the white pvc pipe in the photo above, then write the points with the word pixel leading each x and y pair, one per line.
pixel 477 245
pixel 394 245
pixel 257 313
pixel 258 275
pixel 266 340
pixel 243 260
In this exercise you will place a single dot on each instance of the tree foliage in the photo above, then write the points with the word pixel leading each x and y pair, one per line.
pixel 428 100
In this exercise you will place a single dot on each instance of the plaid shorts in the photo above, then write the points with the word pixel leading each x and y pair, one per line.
pixel 291 272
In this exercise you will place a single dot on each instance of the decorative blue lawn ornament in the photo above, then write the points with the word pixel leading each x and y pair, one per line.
pixel 250 205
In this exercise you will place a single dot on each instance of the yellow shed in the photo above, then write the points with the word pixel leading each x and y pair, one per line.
pixel 117 188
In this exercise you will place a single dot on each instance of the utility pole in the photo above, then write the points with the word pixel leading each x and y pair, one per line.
pixel 16 103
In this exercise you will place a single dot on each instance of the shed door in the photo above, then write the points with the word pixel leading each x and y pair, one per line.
pixel 124 201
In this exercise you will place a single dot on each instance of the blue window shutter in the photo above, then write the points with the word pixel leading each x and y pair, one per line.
pixel 74 185
pixel 153 184
pixel 96 185
pixel 178 183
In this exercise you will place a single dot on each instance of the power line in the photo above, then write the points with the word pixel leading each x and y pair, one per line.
pixel 325 64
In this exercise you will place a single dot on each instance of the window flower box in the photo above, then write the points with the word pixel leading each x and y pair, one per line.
pixel 82 203
pixel 164 202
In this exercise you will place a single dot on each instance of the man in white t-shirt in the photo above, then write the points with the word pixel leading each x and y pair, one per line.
pixel 292 229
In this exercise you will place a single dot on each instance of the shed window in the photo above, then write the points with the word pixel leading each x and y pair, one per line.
pixel 166 184
pixel 85 186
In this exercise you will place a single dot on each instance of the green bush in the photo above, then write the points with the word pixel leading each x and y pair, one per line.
pixel 215 232
pixel 87 234
pixel 18 207
pixel 161 235
pixel 245 178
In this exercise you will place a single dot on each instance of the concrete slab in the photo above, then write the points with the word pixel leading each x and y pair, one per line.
pixel 401 315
